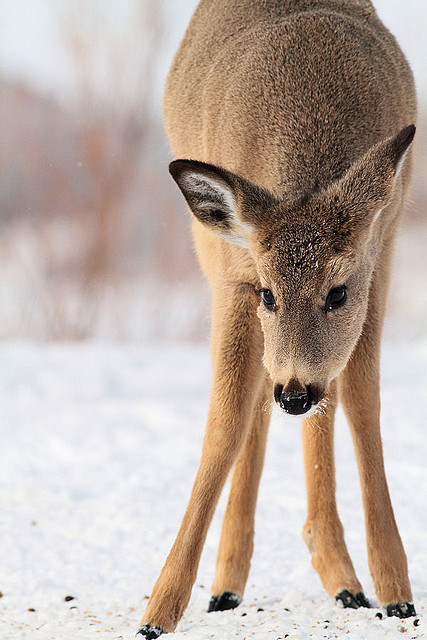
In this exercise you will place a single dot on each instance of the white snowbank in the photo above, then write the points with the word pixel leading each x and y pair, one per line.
pixel 99 447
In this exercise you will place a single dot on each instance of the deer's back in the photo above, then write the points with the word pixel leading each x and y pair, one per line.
pixel 287 97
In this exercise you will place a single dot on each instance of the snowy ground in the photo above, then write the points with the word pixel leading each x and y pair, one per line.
pixel 99 447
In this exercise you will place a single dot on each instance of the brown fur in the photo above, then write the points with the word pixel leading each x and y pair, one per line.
pixel 293 115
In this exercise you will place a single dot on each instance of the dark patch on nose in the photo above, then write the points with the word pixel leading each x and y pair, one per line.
pixel 294 401
pixel 278 392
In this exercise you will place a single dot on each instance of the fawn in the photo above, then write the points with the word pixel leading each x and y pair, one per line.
pixel 294 119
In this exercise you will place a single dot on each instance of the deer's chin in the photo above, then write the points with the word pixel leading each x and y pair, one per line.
pixel 316 410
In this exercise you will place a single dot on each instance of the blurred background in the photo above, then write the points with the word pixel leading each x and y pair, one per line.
pixel 95 240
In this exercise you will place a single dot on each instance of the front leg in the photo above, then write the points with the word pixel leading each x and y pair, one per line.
pixel 237 376
pixel 360 397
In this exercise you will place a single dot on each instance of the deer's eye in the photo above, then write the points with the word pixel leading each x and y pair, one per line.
pixel 268 299
pixel 336 298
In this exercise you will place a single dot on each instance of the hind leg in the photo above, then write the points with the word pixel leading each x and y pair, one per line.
pixel 236 544
pixel 323 531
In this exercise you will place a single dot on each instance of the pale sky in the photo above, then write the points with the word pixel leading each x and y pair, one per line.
pixel 31 46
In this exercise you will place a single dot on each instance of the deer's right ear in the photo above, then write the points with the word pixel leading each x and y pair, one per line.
pixel 213 196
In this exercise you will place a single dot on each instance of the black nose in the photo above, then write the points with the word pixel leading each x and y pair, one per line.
pixel 295 402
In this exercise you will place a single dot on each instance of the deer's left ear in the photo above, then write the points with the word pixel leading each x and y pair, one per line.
pixel 216 197
pixel 367 187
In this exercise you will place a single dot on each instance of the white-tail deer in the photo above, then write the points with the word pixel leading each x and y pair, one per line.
pixel 294 119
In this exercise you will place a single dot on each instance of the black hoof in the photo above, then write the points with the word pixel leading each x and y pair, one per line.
pixel 149 632
pixel 401 610
pixel 350 601
pixel 228 600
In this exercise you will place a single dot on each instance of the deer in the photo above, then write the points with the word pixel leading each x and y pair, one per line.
pixel 291 122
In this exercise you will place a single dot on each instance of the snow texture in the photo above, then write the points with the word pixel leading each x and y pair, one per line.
pixel 99 448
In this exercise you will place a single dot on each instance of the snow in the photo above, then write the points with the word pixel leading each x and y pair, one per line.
pixel 100 445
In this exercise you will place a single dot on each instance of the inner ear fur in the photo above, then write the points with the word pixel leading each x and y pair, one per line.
pixel 223 201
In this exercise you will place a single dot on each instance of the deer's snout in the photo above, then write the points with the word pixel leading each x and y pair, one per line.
pixel 294 401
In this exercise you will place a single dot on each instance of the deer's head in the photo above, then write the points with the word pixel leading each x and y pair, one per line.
pixel 314 257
